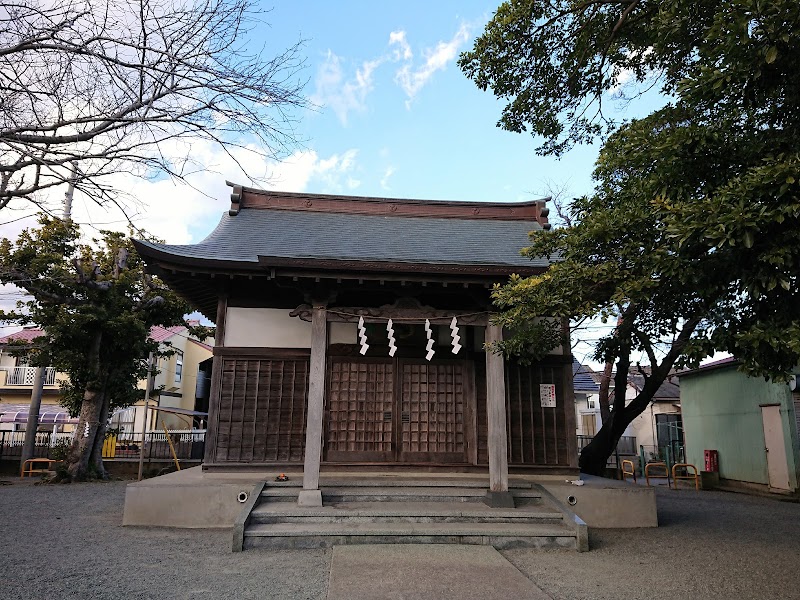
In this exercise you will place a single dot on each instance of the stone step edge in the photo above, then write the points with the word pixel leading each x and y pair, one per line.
pixel 407 529
pixel 410 491
pixel 466 514
pixel 367 483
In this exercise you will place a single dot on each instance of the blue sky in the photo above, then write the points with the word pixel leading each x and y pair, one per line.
pixel 397 113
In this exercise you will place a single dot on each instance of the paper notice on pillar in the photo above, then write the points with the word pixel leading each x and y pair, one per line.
pixel 547 395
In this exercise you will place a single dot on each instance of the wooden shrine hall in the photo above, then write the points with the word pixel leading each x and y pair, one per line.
pixel 350 337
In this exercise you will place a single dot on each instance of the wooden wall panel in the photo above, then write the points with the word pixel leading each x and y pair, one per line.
pixel 433 407
pixel 360 410
pixel 262 410
pixel 536 435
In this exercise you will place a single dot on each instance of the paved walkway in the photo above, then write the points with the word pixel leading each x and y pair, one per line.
pixel 421 572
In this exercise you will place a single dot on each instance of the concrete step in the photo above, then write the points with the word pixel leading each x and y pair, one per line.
pixel 396 481
pixel 406 512
pixel 338 495
pixel 325 535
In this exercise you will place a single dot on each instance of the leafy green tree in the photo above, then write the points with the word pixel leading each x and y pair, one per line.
pixel 692 235
pixel 96 306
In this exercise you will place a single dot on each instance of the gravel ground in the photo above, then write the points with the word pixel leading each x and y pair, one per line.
pixel 66 541
pixel 708 545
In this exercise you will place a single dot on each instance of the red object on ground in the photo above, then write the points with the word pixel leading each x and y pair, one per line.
pixel 712 460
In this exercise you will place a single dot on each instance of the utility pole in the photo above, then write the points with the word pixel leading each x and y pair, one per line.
pixel 32 425
pixel 148 389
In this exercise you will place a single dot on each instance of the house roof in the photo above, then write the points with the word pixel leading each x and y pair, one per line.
pixel 27 334
pixel 157 334
pixel 160 334
pixel 668 391
pixel 717 364
pixel 276 229
pixel 582 378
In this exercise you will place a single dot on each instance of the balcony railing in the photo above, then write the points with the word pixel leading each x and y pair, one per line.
pixel 25 375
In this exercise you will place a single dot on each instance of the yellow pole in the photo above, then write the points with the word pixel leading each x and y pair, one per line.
pixel 171 447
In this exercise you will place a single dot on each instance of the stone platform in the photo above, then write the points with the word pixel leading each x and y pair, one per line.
pixel 195 499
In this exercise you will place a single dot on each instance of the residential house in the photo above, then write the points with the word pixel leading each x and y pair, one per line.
pixel 659 428
pixel 16 386
pixel 751 423
pixel 181 384
pixel 587 405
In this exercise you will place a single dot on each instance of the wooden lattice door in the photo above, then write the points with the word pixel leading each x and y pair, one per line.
pixel 360 411
pixel 433 408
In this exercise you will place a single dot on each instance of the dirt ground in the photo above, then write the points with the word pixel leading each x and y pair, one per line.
pixel 66 541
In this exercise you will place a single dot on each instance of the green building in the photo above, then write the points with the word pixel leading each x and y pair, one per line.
pixel 751 422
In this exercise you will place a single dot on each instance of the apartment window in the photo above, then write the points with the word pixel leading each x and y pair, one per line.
pixel 178 366
pixel 591 403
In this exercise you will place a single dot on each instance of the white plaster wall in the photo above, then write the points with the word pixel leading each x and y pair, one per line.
pixel 265 328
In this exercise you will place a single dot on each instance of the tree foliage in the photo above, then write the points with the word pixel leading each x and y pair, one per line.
pixel 692 234
pixel 91 89
pixel 96 306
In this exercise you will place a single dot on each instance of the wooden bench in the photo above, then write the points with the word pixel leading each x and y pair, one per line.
pixel 37 466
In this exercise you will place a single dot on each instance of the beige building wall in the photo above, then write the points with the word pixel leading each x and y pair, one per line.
pixel 265 328
pixel 192 355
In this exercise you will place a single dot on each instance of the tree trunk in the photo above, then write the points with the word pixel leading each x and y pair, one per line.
pixel 96 457
pixel 605 384
pixel 89 424
pixel 594 456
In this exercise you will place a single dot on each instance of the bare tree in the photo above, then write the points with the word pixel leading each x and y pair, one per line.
pixel 89 89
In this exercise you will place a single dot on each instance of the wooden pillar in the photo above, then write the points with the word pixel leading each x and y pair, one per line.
pixel 311 495
pixel 498 494
pixel 216 383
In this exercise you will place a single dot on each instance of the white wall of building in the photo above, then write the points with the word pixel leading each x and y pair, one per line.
pixel 265 328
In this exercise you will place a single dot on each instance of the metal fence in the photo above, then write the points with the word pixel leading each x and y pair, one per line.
pixel 626 445
pixel 189 444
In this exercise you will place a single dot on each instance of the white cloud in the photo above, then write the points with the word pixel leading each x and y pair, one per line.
pixel 625 76
pixel 436 59
pixel 343 96
pixel 182 213
pixel 385 179
pixel 401 49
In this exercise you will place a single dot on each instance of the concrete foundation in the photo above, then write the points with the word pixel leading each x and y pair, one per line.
pixel 607 503
pixel 193 498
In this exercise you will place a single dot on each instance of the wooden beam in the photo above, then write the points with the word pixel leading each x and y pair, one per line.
pixel 496 414
pixel 408 314
pixel 311 495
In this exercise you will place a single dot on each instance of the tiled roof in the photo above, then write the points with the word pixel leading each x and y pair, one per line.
pixel 669 390
pixel 157 333
pixel 291 234
pixel 160 334
pixel 25 335
pixel 582 378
